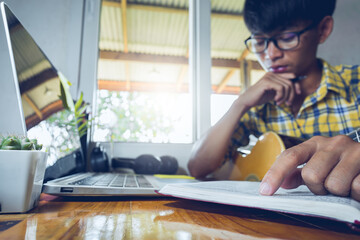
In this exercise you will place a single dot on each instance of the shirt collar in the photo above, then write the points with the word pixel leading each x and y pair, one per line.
pixel 331 80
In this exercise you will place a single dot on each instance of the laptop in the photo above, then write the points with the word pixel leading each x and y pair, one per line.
pixel 39 109
pixel 111 184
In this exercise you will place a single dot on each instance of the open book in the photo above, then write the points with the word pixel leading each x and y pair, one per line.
pixel 246 194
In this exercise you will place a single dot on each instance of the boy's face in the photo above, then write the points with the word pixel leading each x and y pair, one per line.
pixel 295 51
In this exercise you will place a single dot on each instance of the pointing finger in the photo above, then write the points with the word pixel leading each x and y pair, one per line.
pixel 286 164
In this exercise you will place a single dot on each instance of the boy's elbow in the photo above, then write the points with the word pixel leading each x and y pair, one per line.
pixel 194 170
pixel 200 169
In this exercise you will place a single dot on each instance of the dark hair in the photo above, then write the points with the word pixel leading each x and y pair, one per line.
pixel 266 16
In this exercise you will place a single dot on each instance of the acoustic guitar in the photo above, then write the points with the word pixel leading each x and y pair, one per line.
pixel 251 165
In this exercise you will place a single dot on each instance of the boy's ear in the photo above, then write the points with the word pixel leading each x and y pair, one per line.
pixel 325 28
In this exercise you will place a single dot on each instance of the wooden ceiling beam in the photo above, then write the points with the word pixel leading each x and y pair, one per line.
pixel 46 112
pixel 225 80
pixel 140 57
pixel 152 58
pixel 33 105
pixel 125 39
pixel 151 87
pixel 124 25
pixel 37 80
pixel 243 55
pixel 231 72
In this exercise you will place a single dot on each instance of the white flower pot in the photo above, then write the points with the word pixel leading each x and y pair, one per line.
pixel 21 178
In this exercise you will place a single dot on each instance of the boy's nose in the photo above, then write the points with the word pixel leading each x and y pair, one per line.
pixel 273 52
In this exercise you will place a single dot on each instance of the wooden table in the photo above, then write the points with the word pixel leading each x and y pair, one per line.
pixel 160 218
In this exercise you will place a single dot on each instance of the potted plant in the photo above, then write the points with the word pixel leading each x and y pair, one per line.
pixel 22 168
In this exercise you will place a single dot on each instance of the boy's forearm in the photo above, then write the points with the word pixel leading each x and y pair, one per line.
pixel 209 151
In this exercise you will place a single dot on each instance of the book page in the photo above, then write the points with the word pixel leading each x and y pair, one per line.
pixel 241 193
pixel 252 188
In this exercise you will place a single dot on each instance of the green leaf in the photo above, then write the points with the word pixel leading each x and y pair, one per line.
pixel 82 126
pixel 28 146
pixel 79 120
pixel 79 102
pixel 38 146
pixel 82 110
pixel 65 96
pixel 10 148
pixel 11 142
pixel 2 139
pixel 81 117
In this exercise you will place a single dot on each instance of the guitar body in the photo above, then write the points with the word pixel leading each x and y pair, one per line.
pixel 253 166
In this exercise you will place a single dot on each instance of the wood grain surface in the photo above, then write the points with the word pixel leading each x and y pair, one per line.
pixel 160 218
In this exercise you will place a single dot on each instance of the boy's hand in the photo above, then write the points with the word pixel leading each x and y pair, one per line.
pixel 332 166
pixel 272 87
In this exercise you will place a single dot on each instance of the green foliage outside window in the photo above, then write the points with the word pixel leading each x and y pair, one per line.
pixel 132 117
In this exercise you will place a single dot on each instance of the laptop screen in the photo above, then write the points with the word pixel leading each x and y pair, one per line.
pixel 45 117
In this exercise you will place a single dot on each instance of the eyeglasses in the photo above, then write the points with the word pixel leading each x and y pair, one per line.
pixel 283 41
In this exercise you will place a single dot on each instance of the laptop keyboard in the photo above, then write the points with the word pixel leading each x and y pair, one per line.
pixel 115 180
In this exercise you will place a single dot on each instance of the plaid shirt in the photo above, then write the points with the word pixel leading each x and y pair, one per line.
pixel 333 109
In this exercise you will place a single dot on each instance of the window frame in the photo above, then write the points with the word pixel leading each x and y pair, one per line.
pixel 199 75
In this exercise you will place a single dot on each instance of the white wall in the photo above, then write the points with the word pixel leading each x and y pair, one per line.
pixel 343 45
pixel 56 26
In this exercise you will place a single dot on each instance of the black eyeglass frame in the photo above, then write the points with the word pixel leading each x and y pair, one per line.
pixel 274 40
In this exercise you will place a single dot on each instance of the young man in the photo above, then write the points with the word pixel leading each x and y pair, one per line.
pixel 300 95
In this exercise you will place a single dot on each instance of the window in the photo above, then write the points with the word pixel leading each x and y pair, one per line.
pixel 156 93
pixel 143 86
